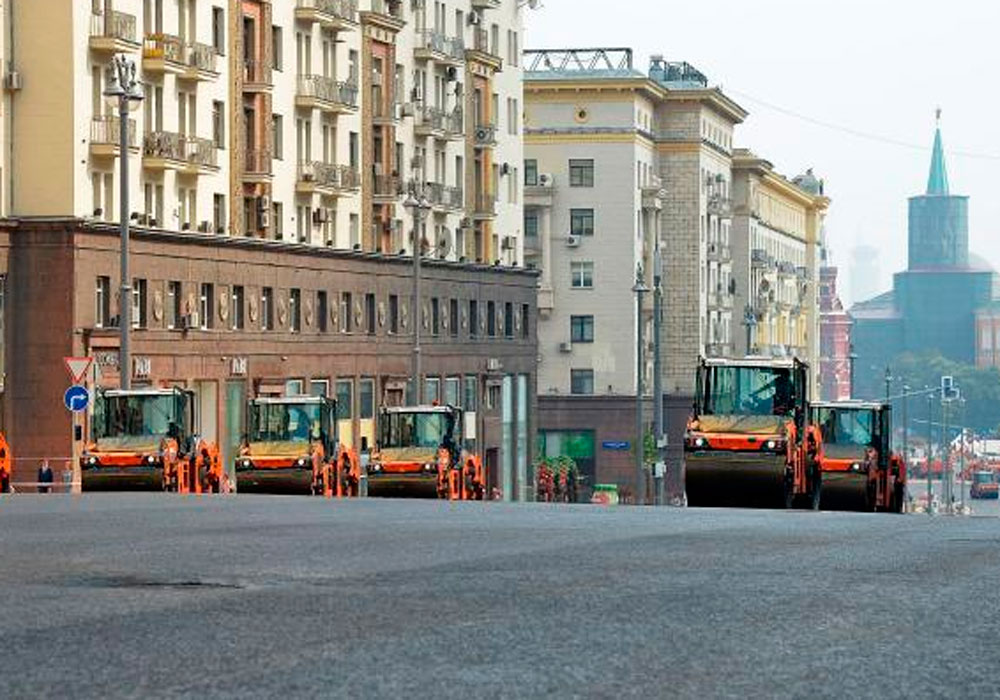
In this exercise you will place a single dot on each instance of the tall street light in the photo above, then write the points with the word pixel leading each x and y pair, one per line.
pixel 418 206
pixel 123 86
pixel 930 448
pixel 661 440
pixel 639 288
pixel 852 358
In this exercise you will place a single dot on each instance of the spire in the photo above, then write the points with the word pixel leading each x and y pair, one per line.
pixel 937 181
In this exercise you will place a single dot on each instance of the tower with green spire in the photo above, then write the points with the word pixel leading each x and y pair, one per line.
pixel 939 220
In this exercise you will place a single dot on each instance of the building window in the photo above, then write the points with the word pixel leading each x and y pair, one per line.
pixel 453 317
pixel 267 309
pixel 581 173
pixel 473 318
pixel 173 304
pixel 435 316
pixel 345 399
pixel 366 399
pixel 238 298
pixel 470 400
pixel 581 381
pixel 491 319
pixel 207 304
pixel 138 303
pixel 582 275
pixel 393 314
pixel 321 311
pixel 531 223
pixel 370 313
pixel 525 321
pixel 219 30
pixel 219 212
pixel 581 329
pixel 295 310
pixel 219 124
pixel 345 312
pixel 508 320
pixel 277 129
pixel 530 172
pixel 277 58
pixel 493 396
pixel 581 222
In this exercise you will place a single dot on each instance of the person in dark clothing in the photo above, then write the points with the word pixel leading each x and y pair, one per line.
pixel 45 477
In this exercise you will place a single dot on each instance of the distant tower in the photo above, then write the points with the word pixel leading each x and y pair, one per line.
pixel 866 273
pixel 939 220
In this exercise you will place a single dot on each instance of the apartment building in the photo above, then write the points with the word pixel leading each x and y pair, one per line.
pixel 777 249
pixel 282 156
pixel 618 163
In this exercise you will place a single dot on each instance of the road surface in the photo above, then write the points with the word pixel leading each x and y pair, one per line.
pixel 255 596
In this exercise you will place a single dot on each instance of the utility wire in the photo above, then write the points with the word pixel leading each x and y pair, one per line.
pixel 855 132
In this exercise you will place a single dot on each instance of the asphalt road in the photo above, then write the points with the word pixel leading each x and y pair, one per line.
pixel 256 596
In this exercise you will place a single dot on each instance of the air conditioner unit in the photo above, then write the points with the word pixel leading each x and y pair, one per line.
pixel 451 74
pixel 264 203
pixel 545 180
pixel 205 227
pixel 572 241
pixel 417 93
pixel 475 18
pixel 264 218
pixel 190 321
pixel 466 222
pixel 407 110
pixel 505 169
pixel 565 347
pixel 302 238
pixel 508 243
pixel 12 81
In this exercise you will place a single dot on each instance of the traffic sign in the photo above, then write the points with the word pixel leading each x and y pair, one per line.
pixel 76 398
pixel 78 367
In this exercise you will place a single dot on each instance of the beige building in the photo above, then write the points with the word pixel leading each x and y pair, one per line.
pixel 777 242
pixel 618 162
pixel 272 252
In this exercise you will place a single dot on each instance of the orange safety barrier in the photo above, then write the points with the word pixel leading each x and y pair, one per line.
pixel 6 464
pixel 342 477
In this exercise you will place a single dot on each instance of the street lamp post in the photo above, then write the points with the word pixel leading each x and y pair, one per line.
pixel 930 448
pixel 961 466
pixel 750 321
pixel 906 427
pixel 418 206
pixel 657 369
pixel 639 288
pixel 123 87
pixel 945 456
pixel 851 358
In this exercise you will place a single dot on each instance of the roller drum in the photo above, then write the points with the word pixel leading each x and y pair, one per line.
pixel 744 480
pixel 846 491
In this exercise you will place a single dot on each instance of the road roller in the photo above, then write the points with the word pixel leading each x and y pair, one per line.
pixel 292 447
pixel 860 471
pixel 144 440
pixel 422 452
pixel 749 442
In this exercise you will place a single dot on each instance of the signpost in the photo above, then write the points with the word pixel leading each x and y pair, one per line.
pixel 76 398
pixel 77 367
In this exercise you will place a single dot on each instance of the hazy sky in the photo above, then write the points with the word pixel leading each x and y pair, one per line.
pixel 879 67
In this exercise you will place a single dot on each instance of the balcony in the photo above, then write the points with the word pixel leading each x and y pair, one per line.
pixel 326 178
pixel 486 136
pixel 257 166
pixel 113 32
pixel 326 94
pixel 717 349
pixel 203 62
pixel 105 136
pixel 257 76
pixel 482 51
pixel 652 197
pixel 164 53
pixel 718 252
pixel 485 4
pixel 803 273
pixel 439 123
pixel 720 206
pixel 334 15
pixel 387 14
pixel 786 269
pixel 165 150
pixel 486 205
pixel 387 188
pixel 758 257
pixel 439 47
pixel 442 196
pixel 384 111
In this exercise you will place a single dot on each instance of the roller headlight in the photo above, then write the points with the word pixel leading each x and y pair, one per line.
pixel 771 444
pixel 376 467
pixel 855 467
pixel 428 467
pixel 247 463
pixel 301 462
pixel 700 442
pixel 92 461
pixel 150 459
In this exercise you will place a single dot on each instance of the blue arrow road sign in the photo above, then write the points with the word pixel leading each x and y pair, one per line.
pixel 76 398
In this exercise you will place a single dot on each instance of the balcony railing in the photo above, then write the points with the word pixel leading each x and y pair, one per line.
pixel 481 43
pixel 388 186
pixel 803 273
pixel 105 131
pixel 258 162
pixel 758 257
pixel 333 176
pixel 440 45
pixel 165 47
pixel 486 135
pixel 113 25
pixel 433 120
pixel 385 110
pixel 486 204
pixel 720 206
pixel 786 268
pixel 718 252
pixel 203 57
pixel 256 72
pixel 334 92
pixel 389 8
pixel 485 4
pixel 337 9
pixel 178 147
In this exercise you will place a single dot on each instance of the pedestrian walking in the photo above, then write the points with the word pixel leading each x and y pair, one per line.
pixel 45 477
